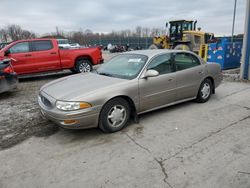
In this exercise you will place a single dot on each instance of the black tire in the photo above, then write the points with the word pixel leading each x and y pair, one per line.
pixel 83 65
pixel 153 47
pixel 205 91
pixel 182 47
pixel 73 70
pixel 119 108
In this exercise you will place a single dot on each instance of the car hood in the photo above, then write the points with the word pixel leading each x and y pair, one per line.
pixel 72 87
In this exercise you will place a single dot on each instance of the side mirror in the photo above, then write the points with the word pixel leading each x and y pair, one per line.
pixel 151 73
pixel 7 52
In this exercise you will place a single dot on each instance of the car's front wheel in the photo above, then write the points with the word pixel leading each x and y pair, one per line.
pixel 114 115
pixel 205 91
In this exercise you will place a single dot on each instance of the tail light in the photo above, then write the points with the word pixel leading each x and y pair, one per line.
pixel 100 47
pixel 8 69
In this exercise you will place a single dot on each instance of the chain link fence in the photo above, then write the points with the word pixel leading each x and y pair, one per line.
pixel 132 42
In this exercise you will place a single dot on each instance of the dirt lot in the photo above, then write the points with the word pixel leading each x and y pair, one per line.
pixel 20 117
pixel 188 145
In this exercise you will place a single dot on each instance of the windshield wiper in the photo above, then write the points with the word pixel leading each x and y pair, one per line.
pixel 105 74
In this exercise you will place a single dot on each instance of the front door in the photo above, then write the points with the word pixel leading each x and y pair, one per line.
pixel 22 58
pixel 160 90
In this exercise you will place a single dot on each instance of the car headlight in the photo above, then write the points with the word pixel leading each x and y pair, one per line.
pixel 67 106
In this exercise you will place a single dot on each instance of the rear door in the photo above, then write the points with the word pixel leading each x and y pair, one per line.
pixel 22 56
pixel 160 90
pixel 189 72
pixel 46 56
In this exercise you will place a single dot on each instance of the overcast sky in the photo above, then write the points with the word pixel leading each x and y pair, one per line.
pixel 42 16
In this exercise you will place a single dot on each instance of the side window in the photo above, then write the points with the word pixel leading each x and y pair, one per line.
pixel 21 47
pixel 209 38
pixel 42 45
pixel 185 61
pixel 197 39
pixel 162 64
pixel 196 61
pixel 173 29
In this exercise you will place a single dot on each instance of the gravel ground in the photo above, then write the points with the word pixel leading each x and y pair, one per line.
pixel 20 116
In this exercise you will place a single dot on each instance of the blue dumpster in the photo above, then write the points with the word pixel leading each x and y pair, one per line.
pixel 226 53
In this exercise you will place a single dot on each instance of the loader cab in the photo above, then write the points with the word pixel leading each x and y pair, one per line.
pixel 177 27
pixel 209 38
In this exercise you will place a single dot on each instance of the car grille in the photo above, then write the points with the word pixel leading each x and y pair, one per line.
pixel 45 101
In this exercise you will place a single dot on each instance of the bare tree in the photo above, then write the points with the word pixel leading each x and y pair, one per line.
pixel 145 32
pixel 138 31
pixel 88 32
pixel 4 35
pixel 78 37
pixel 27 35
pixel 15 32
pixel 128 33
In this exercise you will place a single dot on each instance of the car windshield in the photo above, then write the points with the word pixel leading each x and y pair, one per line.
pixel 125 66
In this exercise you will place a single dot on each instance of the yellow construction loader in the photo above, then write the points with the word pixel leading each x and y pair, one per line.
pixel 184 36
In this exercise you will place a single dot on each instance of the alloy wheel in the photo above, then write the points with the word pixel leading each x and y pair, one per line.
pixel 205 91
pixel 84 67
pixel 116 116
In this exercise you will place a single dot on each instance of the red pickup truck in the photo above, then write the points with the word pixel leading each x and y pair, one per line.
pixel 42 55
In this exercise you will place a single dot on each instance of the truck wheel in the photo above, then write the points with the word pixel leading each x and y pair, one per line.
pixel 182 47
pixel 83 65
pixel 114 115
pixel 73 70
pixel 153 47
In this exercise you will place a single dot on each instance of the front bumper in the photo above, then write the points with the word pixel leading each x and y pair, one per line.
pixel 82 119
pixel 101 61
pixel 8 83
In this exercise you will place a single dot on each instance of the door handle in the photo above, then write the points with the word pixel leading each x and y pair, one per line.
pixel 170 79
pixel 28 55
pixel 52 53
pixel 200 72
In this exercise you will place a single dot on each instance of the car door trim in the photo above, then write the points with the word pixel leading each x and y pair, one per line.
pixel 166 105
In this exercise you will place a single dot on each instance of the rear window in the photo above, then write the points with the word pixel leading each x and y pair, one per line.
pixel 42 45
pixel 185 61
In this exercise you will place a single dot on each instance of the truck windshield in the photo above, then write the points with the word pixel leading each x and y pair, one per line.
pixel 63 41
pixel 178 27
pixel 125 66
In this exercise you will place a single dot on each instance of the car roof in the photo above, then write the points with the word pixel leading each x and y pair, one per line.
pixel 153 52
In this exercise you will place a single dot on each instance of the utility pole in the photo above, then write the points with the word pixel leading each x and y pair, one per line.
pixel 245 60
pixel 235 3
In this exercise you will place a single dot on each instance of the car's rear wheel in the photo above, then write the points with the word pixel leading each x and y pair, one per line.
pixel 114 115
pixel 205 91
pixel 83 65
